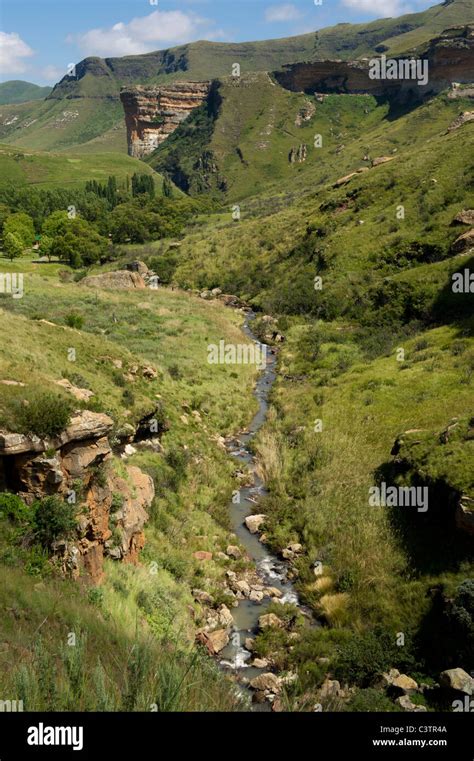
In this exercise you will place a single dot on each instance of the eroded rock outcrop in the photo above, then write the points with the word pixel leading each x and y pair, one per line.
pixel 153 113
pixel 450 58
pixel 123 279
pixel 77 466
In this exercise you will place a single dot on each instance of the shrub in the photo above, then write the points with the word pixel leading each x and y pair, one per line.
pixel 370 701
pixel 53 519
pixel 367 655
pixel 74 320
pixel 46 415
pixel 14 509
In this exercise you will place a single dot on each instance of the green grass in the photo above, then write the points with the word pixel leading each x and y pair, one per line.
pixel 67 170
pixel 17 91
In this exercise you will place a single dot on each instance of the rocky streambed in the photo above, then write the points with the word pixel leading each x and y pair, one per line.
pixel 269 582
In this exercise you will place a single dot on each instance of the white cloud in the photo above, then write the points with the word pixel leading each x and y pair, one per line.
pixel 52 74
pixel 286 12
pixel 12 52
pixel 147 33
pixel 382 8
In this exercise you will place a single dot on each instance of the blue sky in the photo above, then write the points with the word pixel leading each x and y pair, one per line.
pixel 40 38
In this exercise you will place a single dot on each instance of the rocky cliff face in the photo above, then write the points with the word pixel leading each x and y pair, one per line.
pixel 78 467
pixel 450 59
pixel 153 113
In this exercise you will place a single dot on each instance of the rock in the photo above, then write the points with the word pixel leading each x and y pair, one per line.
pixel 12 383
pixel 255 522
pixel 465 514
pixel 463 118
pixel 78 457
pixel 295 547
pixel 266 683
pixel 457 679
pixel 273 592
pixel 216 292
pixel 87 425
pixel 407 705
pixel 287 554
pixel 201 596
pixel 249 644
pixel 382 160
pixel 138 266
pixel 225 617
pixel 231 575
pixel 464 243
pixel 256 596
pixel 404 684
pixel 270 620
pixel 214 641
pixel 149 373
pixel 242 587
pixel 206 295
pixel 298 155
pixel 202 555
pixel 318 568
pixel 233 552
pixel 259 663
pixel 465 217
pixel 330 688
pixel 120 280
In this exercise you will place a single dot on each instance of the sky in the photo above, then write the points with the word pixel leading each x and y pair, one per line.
pixel 39 39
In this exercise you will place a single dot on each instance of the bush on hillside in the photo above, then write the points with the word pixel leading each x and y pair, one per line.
pixel 53 519
pixel 45 415
pixel 14 509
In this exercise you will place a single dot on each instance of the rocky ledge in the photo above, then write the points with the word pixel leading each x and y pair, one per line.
pixel 77 466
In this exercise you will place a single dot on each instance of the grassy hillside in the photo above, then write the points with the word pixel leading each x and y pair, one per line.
pixel 51 170
pixel 382 346
pixel 138 626
pixel 17 91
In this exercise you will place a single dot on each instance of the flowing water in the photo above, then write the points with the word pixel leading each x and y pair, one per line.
pixel 271 571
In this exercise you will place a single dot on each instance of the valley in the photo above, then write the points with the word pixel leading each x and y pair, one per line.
pixel 236 377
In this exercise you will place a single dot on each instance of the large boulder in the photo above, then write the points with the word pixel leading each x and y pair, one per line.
pixel 255 522
pixel 267 683
pixel 214 641
pixel 121 279
pixel 457 679
pixel 270 620
pixel 464 243
pixel 465 217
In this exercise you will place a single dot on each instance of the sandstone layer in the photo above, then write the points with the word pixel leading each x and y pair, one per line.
pixel 153 113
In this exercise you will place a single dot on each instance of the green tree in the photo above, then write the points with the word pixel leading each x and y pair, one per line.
pixel 13 246
pixel 20 225
pixel 45 246
pixel 56 224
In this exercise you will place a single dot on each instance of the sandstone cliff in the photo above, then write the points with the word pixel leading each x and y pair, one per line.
pixel 78 466
pixel 153 113
pixel 450 59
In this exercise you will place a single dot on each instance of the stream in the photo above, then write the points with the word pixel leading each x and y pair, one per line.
pixel 271 571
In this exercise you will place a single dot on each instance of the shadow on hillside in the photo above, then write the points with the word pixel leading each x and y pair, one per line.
pixel 430 539
pixel 450 306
